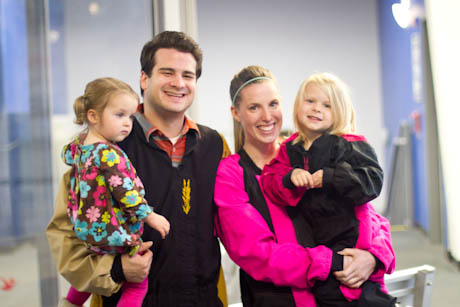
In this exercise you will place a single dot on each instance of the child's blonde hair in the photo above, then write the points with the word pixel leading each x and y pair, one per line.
pixel 343 113
pixel 97 94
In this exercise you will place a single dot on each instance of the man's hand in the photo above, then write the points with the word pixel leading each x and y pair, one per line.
pixel 137 267
pixel 358 270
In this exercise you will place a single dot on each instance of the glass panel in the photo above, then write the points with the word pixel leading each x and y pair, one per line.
pixel 49 50
pixel 25 157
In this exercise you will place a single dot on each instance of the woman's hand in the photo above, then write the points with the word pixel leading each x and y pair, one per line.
pixel 358 266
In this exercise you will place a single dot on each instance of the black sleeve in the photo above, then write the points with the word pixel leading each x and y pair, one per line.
pixel 337 262
pixel 117 270
pixel 287 183
pixel 357 175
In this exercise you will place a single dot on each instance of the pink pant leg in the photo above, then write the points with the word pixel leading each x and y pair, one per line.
pixel 76 297
pixel 132 294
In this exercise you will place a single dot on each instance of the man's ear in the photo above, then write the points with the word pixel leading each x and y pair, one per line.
pixel 92 116
pixel 235 113
pixel 143 80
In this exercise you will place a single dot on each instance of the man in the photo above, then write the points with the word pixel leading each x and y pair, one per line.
pixel 176 160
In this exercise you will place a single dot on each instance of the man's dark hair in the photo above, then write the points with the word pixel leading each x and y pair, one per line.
pixel 170 39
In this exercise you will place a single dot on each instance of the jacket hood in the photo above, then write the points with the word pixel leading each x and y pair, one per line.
pixel 71 152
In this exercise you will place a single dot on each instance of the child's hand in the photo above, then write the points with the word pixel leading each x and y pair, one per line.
pixel 318 179
pixel 301 178
pixel 159 223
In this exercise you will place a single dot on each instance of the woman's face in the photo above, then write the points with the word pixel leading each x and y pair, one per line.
pixel 259 112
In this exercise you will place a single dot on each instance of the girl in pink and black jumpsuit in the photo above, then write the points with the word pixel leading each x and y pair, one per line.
pixel 338 215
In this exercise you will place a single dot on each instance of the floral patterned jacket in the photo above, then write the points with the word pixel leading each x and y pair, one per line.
pixel 106 201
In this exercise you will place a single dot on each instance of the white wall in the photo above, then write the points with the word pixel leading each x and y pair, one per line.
pixel 108 43
pixel 293 39
pixel 443 28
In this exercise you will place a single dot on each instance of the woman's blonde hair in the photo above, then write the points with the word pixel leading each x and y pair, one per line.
pixel 236 85
pixel 97 95
pixel 343 113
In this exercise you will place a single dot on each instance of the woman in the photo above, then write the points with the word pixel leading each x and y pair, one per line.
pixel 262 238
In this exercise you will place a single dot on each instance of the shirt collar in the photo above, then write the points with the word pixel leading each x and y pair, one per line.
pixel 148 128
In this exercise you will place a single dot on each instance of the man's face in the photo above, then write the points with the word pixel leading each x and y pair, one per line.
pixel 171 88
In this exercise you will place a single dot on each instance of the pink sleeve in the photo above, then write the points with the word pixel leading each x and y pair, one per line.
pixel 250 243
pixel 272 181
pixel 381 246
pixel 375 236
pixel 363 215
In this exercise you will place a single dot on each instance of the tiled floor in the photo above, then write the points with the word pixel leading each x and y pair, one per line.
pixel 411 248
pixel 19 276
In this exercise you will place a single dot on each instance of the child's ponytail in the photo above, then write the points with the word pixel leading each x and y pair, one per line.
pixel 79 107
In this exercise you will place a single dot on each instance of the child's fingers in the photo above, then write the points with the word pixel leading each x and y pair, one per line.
pixel 166 225
pixel 295 181
pixel 165 230
pixel 297 177
pixel 300 181
pixel 300 178
pixel 145 246
pixel 163 233
pixel 318 179
pixel 308 180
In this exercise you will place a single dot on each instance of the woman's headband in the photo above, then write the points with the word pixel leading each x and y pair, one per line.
pixel 246 83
